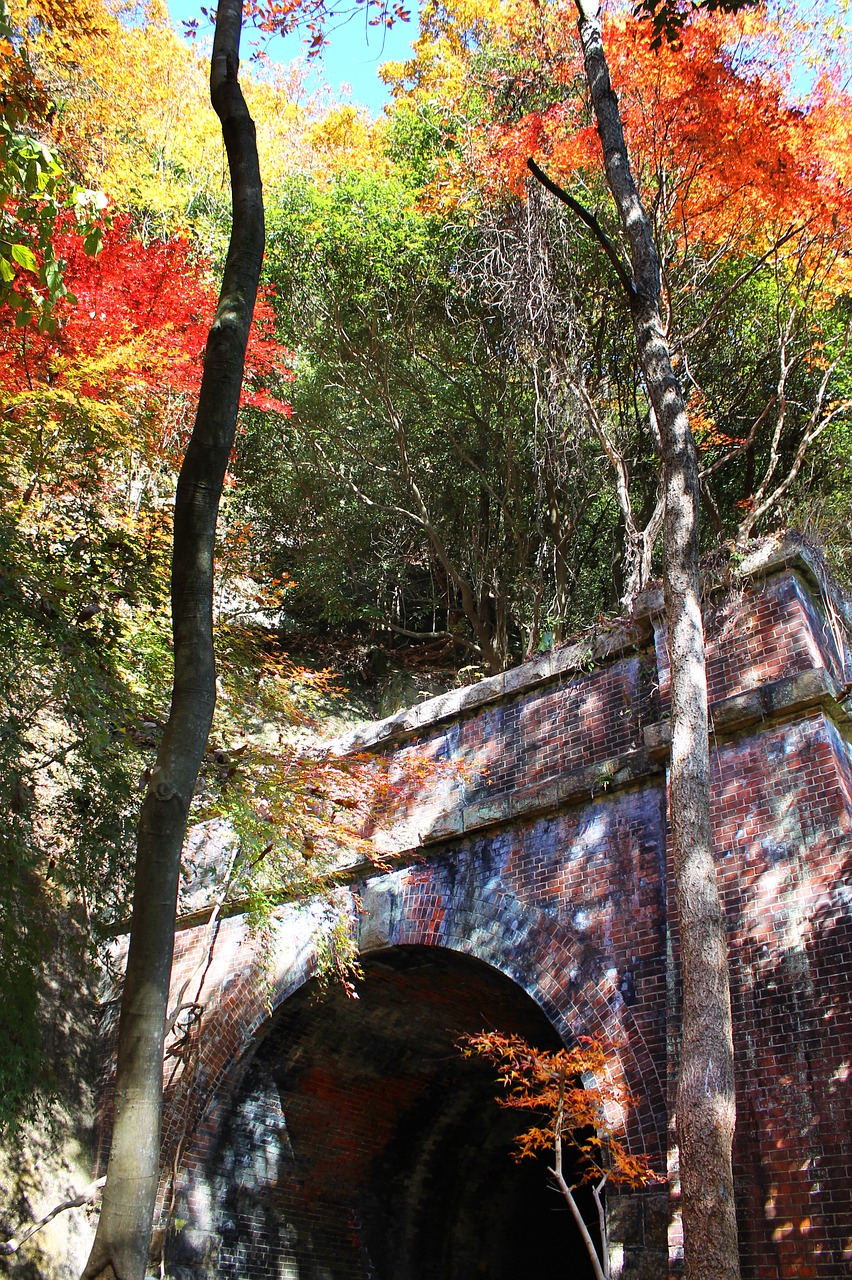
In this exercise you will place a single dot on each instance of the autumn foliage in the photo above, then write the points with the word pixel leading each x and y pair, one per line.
pixel 720 147
pixel 744 180
pixel 137 318
pixel 572 1097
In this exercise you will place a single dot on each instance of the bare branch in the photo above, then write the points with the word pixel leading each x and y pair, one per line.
pixel 434 635
pixel 742 445
pixel 568 1192
pixel 817 424
pixel 90 1194
pixel 739 282
pixel 596 1192
pixel 591 222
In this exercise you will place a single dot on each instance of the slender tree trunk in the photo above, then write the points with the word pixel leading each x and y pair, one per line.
pixel 705 1097
pixel 120 1250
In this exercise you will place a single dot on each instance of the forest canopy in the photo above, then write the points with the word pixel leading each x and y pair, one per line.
pixel 445 440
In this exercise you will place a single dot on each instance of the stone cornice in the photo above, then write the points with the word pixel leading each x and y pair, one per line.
pixel 770 557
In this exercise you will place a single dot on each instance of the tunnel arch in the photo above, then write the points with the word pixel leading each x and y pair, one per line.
pixel 361 1145
pixel 459 912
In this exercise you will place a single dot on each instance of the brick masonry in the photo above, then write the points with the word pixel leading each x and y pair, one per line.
pixel 346 1139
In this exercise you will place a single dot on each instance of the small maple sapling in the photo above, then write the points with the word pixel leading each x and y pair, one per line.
pixel 585 1116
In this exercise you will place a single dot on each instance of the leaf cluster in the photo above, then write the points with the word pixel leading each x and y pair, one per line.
pixel 667 18
pixel 92 412
pixel 35 193
pixel 415 479
pixel 575 1094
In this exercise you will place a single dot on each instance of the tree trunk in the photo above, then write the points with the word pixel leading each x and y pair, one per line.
pixel 120 1250
pixel 705 1097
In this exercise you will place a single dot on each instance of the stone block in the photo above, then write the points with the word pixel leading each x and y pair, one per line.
pixel 444 827
pixel 658 737
pixel 796 692
pixel 573 657
pixel 625 1219
pixel 622 637
pixel 475 695
pixel 380 910
pixel 645 1264
pixel 534 799
pixel 528 673
pixel 737 712
pixel 649 602
pixel 486 813
pixel 657 1213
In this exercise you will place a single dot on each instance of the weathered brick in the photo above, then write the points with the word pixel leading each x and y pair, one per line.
pixel 550 866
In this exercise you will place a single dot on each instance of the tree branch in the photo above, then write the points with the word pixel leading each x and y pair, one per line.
pixel 434 635
pixel 568 1193
pixel 740 280
pixel 591 222
pixel 91 1193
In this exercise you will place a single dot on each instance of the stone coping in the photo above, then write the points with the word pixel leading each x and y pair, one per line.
pixel 777 700
pixel 773 556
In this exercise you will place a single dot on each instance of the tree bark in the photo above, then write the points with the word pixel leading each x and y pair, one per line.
pixel 120 1249
pixel 705 1096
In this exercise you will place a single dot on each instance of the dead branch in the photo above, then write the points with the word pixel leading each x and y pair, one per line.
pixel 590 221
pixel 90 1194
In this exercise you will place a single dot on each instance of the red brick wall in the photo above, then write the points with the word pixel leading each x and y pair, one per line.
pixel 782 829
pixel 582 718
pixel 567 895
pixel 758 635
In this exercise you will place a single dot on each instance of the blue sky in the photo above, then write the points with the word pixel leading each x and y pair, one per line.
pixel 353 56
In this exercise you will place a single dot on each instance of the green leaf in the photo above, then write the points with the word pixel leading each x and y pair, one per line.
pixel 51 275
pixel 7 272
pixel 92 243
pixel 24 257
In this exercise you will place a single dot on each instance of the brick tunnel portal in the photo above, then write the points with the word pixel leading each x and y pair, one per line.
pixel 341 1140
pixel 363 1145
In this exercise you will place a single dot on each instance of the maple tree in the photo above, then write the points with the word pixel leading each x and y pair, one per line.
pixel 581 1106
pixel 134 119
pixel 705 1095
pixel 99 406
pixel 138 316
pixel 711 129
pixel 724 222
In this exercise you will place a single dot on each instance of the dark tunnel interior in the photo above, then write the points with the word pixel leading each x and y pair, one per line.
pixel 391 1159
